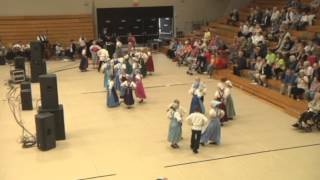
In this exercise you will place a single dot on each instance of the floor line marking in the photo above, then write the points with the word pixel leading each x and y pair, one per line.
pixel 240 155
pixel 96 177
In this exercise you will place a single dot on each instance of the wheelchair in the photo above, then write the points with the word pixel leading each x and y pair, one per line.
pixel 309 124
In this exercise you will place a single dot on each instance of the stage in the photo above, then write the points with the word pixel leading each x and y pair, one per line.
pixel 121 143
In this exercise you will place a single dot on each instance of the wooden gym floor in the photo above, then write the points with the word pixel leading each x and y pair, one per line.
pixel 122 144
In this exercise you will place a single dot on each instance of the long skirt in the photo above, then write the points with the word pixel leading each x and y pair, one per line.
pixel 230 107
pixel 128 97
pixel 83 64
pixel 143 69
pixel 196 102
pixel 112 98
pixel 94 57
pixel 212 133
pixel 175 131
pixel 140 93
pixel 128 68
pixel 224 118
pixel 106 80
pixel 117 83
pixel 150 65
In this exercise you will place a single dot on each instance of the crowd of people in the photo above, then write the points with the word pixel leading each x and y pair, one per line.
pixel 205 130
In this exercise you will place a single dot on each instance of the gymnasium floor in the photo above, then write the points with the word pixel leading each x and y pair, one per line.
pixel 123 144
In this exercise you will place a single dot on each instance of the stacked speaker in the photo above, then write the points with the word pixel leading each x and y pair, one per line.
pixel 37 64
pixel 26 96
pixel 49 105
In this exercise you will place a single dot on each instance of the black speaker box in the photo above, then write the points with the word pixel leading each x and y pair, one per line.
pixel 37 70
pixel 25 86
pixel 45 131
pixel 37 52
pixel 59 121
pixel 49 91
pixel 26 99
pixel 19 63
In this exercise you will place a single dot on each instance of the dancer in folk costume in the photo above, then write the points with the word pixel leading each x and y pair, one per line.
pixel 107 69
pixel 112 97
pixel 142 59
pixel 149 63
pixel 230 110
pixel 198 90
pixel 219 96
pixel 118 68
pixel 128 86
pixel 212 134
pixel 175 127
pixel 140 93
pixel 131 42
pixel 135 64
pixel 118 52
pixel 103 55
pixel 84 60
pixel 128 62
pixel 94 48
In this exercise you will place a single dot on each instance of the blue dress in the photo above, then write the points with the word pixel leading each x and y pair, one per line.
pixel 175 130
pixel 112 98
pixel 107 74
pixel 117 82
pixel 196 102
pixel 213 131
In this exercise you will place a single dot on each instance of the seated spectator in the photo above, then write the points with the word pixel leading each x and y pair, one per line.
pixel 241 63
pixel 316 39
pixel 257 38
pixel 233 17
pixel 266 19
pixel 302 86
pixel 244 30
pixel 288 82
pixel 253 57
pixel 275 15
pixel 279 66
pixel 314 5
pixel 271 57
pixel 287 45
pixel 314 87
pixel 312 58
pixel 264 74
pixel 59 50
pixel 207 36
pixel 172 49
pixel 303 22
pixel 255 74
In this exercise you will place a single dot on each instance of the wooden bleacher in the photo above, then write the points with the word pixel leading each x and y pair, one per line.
pixel 228 32
pixel 61 28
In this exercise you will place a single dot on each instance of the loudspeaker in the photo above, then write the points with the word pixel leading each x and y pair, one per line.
pixel 19 63
pixel 45 131
pixel 26 96
pixel 49 91
pixel 37 52
pixel 37 69
pixel 25 86
pixel 58 121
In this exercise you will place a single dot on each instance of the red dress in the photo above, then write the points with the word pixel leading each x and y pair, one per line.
pixel 149 64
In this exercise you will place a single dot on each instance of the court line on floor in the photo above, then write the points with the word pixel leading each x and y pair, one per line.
pixel 96 177
pixel 63 69
pixel 148 87
pixel 241 155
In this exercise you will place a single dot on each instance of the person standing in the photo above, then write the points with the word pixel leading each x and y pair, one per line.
pixel 220 96
pixel 175 127
pixel 230 110
pixel 140 93
pixel 84 60
pixel 94 48
pixel 197 122
pixel 212 134
pixel 198 90
pixel 112 97
pixel 103 55
pixel 149 63
pixel 128 86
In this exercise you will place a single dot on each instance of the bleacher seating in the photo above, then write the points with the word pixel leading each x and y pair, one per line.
pixel 60 28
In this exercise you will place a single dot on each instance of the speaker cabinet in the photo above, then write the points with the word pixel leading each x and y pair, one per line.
pixel 45 131
pixel 26 99
pixel 58 114
pixel 49 91
pixel 37 69
pixel 25 86
pixel 19 63
pixel 37 52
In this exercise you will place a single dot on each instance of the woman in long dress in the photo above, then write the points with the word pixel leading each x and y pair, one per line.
pixel 84 60
pixel 219 96
pixel 128 86
pixel 140 93
pixel 230 110
pixel 107 69
pixel 149 63
pixel 175 127
pixel 112 97
pixel 212 134
pixel 198 91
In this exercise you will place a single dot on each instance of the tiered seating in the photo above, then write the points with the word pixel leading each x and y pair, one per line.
pixel 227 33
pixel 61 28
